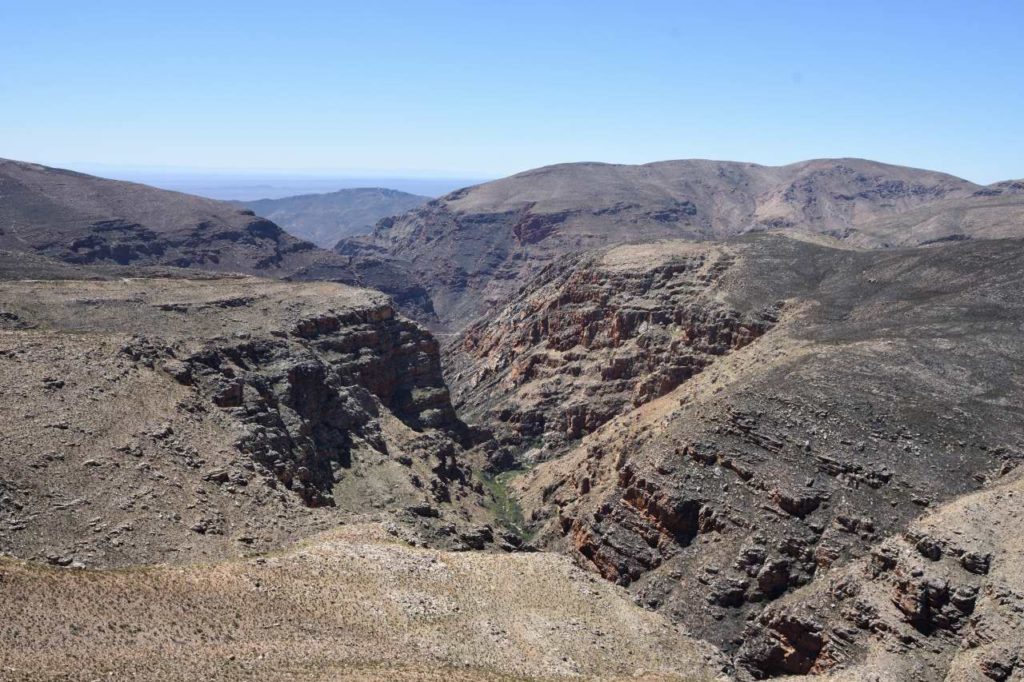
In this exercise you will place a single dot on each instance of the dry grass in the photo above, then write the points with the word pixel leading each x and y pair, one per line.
pixel 349 606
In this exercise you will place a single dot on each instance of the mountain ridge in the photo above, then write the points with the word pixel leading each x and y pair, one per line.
pixel 715 459
pixel 86 220
pixel 472 248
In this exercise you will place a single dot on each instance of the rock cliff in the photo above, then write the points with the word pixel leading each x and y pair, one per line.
pixel 884 386
pixel 942 600
pixel 166 419
pixel 594 336
pixel 803 447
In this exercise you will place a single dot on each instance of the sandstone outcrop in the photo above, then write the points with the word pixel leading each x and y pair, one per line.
pixel 802 447
pixel 943 600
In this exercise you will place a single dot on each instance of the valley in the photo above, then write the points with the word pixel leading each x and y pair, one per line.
pixel 690 420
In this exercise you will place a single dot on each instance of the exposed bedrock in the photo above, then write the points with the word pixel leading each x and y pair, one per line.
pixel 794 453
pixel 304 398
pixel 167 419
pixel 590 339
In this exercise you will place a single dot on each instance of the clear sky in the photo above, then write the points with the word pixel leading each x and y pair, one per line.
pixel 489 87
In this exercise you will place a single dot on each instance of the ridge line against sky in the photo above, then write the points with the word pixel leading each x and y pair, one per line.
pixel 467 89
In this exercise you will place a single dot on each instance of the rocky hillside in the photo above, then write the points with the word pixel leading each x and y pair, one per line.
pixel 271 461
pixel 171 420
pixel 942 600
pixel 325 218
pixel 592 337
pixel 85 220
pixel 802 448
pixel 475 247
pixel 843 393
pixel 994 212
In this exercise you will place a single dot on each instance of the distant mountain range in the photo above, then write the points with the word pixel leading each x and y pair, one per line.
pixel 252 186
pixel 447 260
pixel 325 218
pixel 476 246
pixel 86 220
pixel 82 219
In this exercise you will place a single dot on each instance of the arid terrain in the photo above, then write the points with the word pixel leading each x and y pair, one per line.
pixel 685 421
pixel 475 247
pixel 85 220
pixel 813 416
pixel 142 424
pixel 354 604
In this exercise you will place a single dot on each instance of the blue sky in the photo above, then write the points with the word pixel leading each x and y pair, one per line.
pixel 486 88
